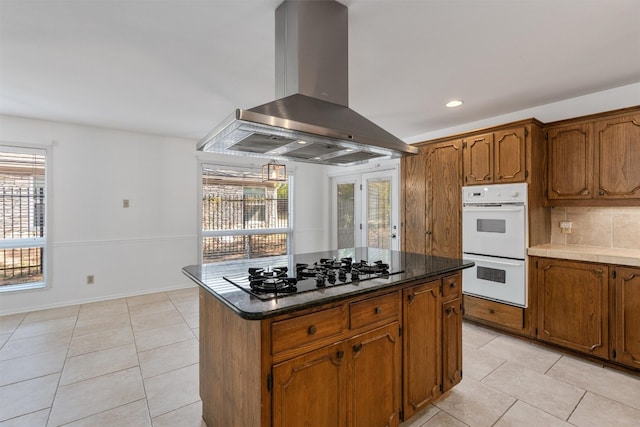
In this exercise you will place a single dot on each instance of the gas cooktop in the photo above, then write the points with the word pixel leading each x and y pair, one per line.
pixel 279 281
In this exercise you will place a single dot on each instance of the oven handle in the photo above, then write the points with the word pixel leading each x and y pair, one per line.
pixel 472 258
pixel 494 209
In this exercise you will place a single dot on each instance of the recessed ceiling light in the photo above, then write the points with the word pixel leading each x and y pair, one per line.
pixel 300 141
pixel 454 103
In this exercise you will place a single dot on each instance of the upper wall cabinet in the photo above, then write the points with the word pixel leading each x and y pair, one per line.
pixel 617 164
pixel 594 161
pixel 570 164
pixel 497 157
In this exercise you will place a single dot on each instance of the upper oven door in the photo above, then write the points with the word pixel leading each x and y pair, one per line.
pixel 496 230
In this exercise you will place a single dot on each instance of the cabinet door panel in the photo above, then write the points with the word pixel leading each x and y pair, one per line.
pixel 309 390
pixel 573 301
pixel 570 162
pixel 452 344
pixel 628 316
pixel 509 156
pixel 376 374
pixel 415 204
pixel 444 199
pixel 478 160
pixel 422 346
pixel 618 159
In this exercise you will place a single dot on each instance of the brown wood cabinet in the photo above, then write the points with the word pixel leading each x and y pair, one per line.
pixel 617 163
pixel 451 331
pixel 573 305
pixel 414 203
pixel 323 371
pixel 370 360
pixel 495 158
pixel 570 164
pixel 375 374
pixel 626 316
pixel 422 342
pixel 426 337
pixel 432 192
pixel 593 160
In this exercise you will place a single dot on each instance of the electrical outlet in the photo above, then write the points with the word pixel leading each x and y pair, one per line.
pixel 565 227
pixel 90 279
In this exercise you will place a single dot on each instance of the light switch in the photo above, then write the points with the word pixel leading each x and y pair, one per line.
pixel 125 203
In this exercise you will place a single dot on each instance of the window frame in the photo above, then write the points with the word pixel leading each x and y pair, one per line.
pixel 202 234
pixel 34 242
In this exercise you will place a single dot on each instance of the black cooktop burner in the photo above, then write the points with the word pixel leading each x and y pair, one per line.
pixel 270 283
pixel 273 281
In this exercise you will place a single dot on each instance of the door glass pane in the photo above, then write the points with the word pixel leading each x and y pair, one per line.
pixel 379 213
pixel 345 216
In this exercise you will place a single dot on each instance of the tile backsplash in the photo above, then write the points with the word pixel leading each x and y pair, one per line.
pixel 610 227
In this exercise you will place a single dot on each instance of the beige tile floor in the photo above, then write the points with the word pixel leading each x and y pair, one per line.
pixel 134 362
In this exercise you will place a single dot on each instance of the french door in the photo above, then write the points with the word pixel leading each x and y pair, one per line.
pixel 365 210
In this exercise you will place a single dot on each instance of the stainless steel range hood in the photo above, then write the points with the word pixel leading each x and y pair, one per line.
pixel 311 120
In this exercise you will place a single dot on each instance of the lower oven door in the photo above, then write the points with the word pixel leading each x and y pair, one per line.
pixel 499 279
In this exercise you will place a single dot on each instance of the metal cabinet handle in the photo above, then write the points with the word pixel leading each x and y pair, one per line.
pixel 339 354
pixel 448 311
pixel 312 330
pixel 378 310
pixel 411 297
pixel 491 311
pixel 427 232
pixel 357 347
pixel 452 284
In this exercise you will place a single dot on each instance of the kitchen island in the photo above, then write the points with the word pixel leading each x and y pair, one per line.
pixel 365 352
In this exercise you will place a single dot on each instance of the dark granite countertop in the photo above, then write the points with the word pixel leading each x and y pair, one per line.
pixel 414 267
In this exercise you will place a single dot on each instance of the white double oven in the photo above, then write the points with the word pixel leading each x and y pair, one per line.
pixel 494 236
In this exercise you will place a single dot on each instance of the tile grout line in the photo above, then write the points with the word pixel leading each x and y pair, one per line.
pixel 144 385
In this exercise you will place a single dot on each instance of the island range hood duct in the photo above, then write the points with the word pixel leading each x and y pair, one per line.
pixel 311 120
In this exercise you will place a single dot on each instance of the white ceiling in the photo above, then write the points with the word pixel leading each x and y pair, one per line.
pixel 179 67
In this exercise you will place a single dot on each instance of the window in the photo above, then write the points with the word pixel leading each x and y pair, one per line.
pixel 242 216
pixel 23 222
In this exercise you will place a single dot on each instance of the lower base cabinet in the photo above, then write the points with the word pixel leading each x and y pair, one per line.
pixel 452 343
pixel 626 344
pixel 589 307
pixel 324 371
pixel 341 381
pixel 422 346
pixel 368 361
pixel 573 305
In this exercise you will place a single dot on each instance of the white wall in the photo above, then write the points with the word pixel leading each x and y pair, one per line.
pixel 620 97
pixel 143 248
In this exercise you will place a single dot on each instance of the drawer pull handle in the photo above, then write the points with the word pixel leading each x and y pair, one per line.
pixel 491 311
pixel 378 310
pixel 357 347
pixel 312 330
pixel 452 284
pixel 339 354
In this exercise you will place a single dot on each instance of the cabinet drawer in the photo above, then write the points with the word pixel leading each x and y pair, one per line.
pixel 451 287
pixel 374 310
pixel 495 312
pixel 302 330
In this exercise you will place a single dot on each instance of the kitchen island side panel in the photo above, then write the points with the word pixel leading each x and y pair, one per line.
pixel 230 366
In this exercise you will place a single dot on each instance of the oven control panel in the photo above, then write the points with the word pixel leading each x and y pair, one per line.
pixel 495 193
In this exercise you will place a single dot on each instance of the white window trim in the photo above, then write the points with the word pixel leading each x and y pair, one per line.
pixel 35 242
pixel 246 232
